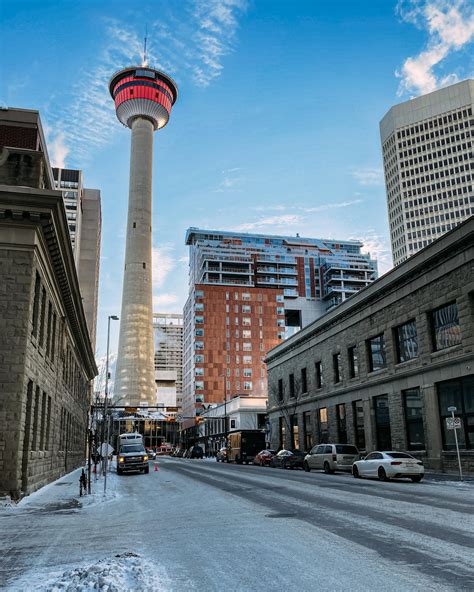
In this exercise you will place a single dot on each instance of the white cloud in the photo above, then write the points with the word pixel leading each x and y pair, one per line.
pixel 57 148
pixel 450 26
pixel 163 263
pixel 217 22
pixel 330 206
pixel 276 221
pixel 378 246
pixel 368 176
pixel 162 301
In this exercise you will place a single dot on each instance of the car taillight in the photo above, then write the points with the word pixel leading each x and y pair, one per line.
pixel 395 462
pixel 334 457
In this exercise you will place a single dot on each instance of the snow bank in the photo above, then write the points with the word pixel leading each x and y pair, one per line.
pixel 123 573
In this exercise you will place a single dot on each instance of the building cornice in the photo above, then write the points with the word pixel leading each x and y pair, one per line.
pixel 45 210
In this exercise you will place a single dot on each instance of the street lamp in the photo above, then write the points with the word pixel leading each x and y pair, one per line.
pixel 113 318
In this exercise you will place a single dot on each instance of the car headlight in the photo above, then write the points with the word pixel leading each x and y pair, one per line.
pixel 121 459
pixel 145 458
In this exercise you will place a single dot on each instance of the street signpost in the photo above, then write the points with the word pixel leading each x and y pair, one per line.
pixel 454 423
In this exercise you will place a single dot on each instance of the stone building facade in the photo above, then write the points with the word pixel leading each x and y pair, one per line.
pixel 46 358
pixel 381 370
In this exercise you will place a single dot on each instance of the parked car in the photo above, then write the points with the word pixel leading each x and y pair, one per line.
pixel 221 456
pixel 392 464
pixel 151 453
pixel 288 459
pixel 331 457
pixel 264 457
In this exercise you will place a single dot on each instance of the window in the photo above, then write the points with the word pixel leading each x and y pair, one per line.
pixel 280 322
pixel 292 385
pixel 246 321
pixel 199 320
pixel 246 308
pixel 236 321
pixel 280 390
pixel 199 359
pixel 281 432
pixel 199 294
pixel 307 431
pixel 199 371
pixel 248 372
pixel 359 431
pixel 245 296
pixel 247 359
pixel 232 424
pixel 199 385
pixel 341 423
pixel 199 345
pixel 323 425
pixel 199 332
pixel 319 375
pixel 279 298
pixel 199 398
pixel 42 315
pixel 414 419
pixel 247 386
pixel 304 381
pixel 199 307
pixel 445 327
pixel 376 351
pixel 246 334
pixel 457 393
pixel 336 364
pixel 382 422
pixel 247 346
pixel 280 310
pixel 353 361
pixel 407 341
pixel 295 432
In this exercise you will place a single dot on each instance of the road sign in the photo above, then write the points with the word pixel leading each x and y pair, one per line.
pixel 106 449
pixel 453 423
pixel 179 417
pixel 452 409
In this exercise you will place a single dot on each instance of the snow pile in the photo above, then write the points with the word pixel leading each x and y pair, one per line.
pixel 123 573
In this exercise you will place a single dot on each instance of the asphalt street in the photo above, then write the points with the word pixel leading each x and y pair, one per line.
pixel 210 526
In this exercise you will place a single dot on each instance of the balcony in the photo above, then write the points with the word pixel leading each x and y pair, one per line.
pixel 276 258
pixel 290 293
pixel 278 282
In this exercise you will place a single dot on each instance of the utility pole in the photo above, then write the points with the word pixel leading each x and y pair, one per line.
pixel 114 318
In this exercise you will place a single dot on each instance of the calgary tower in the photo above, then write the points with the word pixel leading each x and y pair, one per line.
pixel 143 100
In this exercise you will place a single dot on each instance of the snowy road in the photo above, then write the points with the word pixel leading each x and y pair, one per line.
pixel 204 526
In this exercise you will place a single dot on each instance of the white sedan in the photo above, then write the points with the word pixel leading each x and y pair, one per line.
pixel 388 465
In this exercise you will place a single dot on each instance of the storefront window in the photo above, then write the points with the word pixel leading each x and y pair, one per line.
pixel 323 426
pixel 295 430
pixel 382 422
pixel 308 432
pixel 341 423
pixel 457 393
pixel 359 429
pixel 414 419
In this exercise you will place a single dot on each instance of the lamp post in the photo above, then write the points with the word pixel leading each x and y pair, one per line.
pixel 113 318
pixel 225 410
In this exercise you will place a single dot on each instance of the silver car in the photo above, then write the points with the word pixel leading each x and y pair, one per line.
pixel 331 457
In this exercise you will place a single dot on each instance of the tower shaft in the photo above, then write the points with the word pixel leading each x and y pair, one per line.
pixel 135 380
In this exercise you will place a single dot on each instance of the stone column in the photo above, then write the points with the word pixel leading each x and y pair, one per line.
pixel 135 380
pixel 432 426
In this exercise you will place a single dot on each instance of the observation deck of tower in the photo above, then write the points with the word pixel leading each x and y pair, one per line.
pixel 143 99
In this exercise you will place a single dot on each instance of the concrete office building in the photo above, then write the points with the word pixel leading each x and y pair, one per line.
pixel 381 370
pixel 247 293
pixel 428 156
pixel 83 211
pixel 143 100
pixel 46 359
pixel 168 338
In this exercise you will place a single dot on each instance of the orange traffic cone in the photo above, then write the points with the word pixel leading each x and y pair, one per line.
pixel 156 467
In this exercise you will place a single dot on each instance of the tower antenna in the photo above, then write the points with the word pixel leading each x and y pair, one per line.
pixel 144 46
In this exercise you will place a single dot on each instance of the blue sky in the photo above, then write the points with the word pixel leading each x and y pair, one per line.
pixel 276 126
